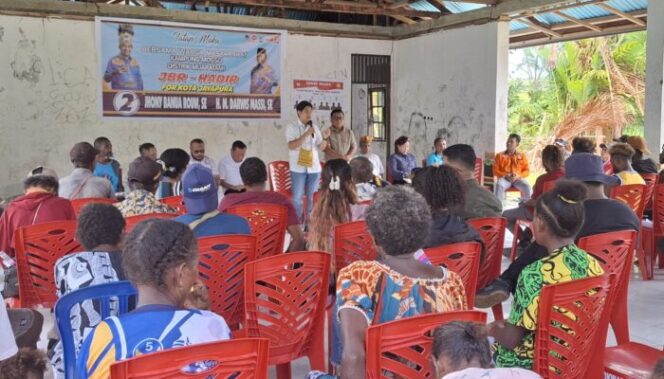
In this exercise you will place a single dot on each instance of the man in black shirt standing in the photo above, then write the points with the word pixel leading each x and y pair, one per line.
pixel 602 215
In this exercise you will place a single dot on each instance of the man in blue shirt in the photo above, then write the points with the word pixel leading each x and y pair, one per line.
pixel 199 190
pixel 123 71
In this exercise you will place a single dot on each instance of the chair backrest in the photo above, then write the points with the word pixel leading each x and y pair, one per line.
pixel 651 180
pixel 614 252
pixel 38 247
pixel 268 223
pixel 132 221
pixel 243 358
pixel 633 195
pixel 175 202
pixel 658 211
pixel 479 170
pixel 402 348
pixel 284 299
pixel 462 258
pixel 578 306
pixel 78 204
pixel 110 299
pixel 278 173
pixel 492 231
pixel 353 242
pixel 221 268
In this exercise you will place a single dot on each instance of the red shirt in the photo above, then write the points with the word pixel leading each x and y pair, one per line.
pixel 31 209
pixel 538 189
pixel 264 197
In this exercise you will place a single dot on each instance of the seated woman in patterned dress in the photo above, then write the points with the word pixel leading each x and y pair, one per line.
pixel 558 217
pixel 395 285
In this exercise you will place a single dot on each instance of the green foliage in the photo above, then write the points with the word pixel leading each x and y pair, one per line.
pixel 557 80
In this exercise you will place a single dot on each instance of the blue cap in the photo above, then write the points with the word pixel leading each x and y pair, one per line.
pixel 587 167
pixel 199 190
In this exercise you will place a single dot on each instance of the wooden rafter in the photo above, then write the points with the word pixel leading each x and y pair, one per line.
pixel 405 20
pixel 574 20
pixel 622 14
pixel 532 21
pixel 439 5
pixel 339 6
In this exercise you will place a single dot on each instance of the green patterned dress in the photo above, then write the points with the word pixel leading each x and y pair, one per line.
pixel 563 265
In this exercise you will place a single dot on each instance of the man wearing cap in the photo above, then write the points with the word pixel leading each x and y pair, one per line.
pixel 81 183
pixel 365 151
pixel 602 215
pixel 143 178
pixel 641 162
pixel 39 204
pixel 199 190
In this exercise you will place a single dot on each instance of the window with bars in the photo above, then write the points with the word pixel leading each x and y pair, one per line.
pixel 377 113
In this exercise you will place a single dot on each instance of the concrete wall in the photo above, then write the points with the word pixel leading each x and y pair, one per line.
pixel 454 84
pixel 48 98
pixel 451 82
pixel 654 117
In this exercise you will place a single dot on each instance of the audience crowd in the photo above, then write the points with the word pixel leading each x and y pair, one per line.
pixel 406 208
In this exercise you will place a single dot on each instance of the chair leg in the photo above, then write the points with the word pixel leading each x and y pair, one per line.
pixel 619 317
pixel 330 308
pixel 515 240
pixel 317 350
pixel 284 371
pixel 497 312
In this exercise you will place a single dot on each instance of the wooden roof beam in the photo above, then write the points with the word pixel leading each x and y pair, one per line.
pixel 532 21
pixel 577 21
pixel 338 6
pixel 439 5
pixel 405 20
pixel 622 14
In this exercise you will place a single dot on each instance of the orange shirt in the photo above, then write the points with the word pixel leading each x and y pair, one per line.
pixel 515 163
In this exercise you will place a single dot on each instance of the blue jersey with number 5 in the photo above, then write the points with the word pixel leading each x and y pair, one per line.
pixel 146 330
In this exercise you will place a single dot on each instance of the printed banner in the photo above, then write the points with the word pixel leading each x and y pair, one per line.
pixel 175 70
pixel 323 95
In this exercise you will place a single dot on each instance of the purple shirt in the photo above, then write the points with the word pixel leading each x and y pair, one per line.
pixel 401 165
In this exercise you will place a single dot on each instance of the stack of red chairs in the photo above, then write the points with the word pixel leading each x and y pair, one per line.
pixel 79 204
pixel 492 231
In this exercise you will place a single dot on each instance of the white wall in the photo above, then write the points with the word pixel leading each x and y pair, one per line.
pixel 48 98
pixel 654 116
pixel 452 83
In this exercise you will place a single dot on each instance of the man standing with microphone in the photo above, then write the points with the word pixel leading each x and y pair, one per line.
pixel 304 140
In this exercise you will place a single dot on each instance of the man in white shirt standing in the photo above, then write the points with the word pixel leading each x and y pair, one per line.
pixel 197 152
pixel 229 169
pixel 365 151
pixel 304 140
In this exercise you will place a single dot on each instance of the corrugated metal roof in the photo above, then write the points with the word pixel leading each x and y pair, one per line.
pixel 582 12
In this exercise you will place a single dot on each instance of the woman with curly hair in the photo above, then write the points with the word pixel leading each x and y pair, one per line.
pixel 160 258
pixel 337 203
pixel 444 191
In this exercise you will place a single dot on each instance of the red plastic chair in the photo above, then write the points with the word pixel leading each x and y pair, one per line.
pixel 278 173
pixel 464 259
pixel 38 247
pixel 78 204
pixel 353 242
pixel 221 268
pixel 284 299
pixel 402 348
pixel 243 358
pixel 176 202
pixel 650 235
pixel 651 181
pixel 630 361
pixel 479 171
pixel 524 224
pixel 268 223
pixel 132 221
pixel 492 231
pixel 579 306
pixel 633 195
pixel 615 251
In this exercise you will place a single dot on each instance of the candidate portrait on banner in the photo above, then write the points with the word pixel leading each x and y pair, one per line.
pixel 123 71
pixel 263 78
